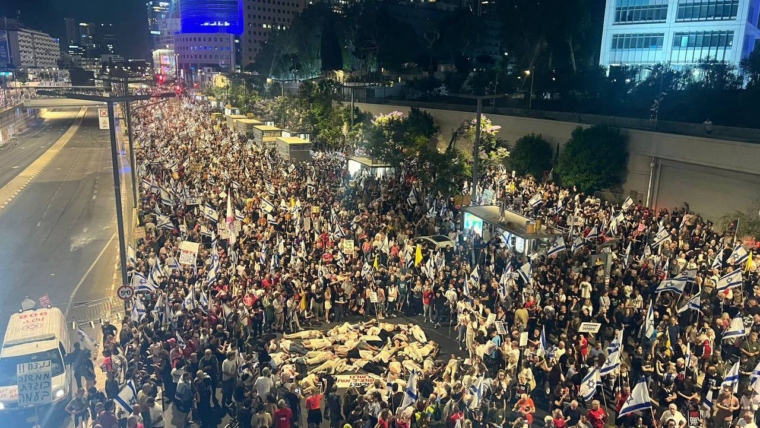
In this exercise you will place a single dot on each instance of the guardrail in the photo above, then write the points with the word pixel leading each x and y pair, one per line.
pixel 95 311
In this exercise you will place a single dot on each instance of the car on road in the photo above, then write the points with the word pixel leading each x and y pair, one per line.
pixel 437 241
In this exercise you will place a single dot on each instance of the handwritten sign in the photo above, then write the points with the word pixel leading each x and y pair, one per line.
pixel 589 327
pixel 500 328
pixel 355 380
pixel 34 383
pixel 348 246
pixel 188 251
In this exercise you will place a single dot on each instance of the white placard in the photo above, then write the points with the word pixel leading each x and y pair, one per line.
pixel 34 383
pixel 373 297
pixel 589 327
pixel 188 252
pixel 103 118
pixel 523 339
pixel 346 381
pixel 487 197
pixel 500 328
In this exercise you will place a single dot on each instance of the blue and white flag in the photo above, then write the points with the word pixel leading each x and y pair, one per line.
pixel 267 206
pixel 180 341
pixel 87 341
pixel 738 256
pixel 612 362
pixel 189 303
pixel 628 203
pixel 475 277
pixel 577 243
pixel 730 280
pixel 662 236
pixel 736 328
pixel 476 392
pixel 675 284
pixel 210 213
pixel 708 401
pixel 589 384
pixel 717 262
pixel 127 397
pixel 648 329
pixel 410 393
pixel 558 247
pixel 732 378
pixel 543 347
pixel 164 222
pixel 754 379
pixel 173 264
pixel 154 279
pixel 638 400
pixel 627 255
pixel 138 309
pixel 140 282
pixel 535 200
pixel 695 304
pixel 526 272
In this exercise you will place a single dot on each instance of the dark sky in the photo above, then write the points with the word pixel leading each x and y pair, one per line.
pixel 128 16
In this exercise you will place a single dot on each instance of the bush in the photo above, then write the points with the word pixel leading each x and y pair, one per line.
pixel 531 155
pixel 593 159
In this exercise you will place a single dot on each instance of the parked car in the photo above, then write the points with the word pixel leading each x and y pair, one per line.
pixel 437 241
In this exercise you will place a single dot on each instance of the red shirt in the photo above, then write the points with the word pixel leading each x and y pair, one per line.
pixel 427 296
pixel 314 402
pixel 597 417
pixel 382 423
pixel 282 418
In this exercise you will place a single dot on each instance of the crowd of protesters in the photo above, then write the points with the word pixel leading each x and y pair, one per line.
pixel 302 267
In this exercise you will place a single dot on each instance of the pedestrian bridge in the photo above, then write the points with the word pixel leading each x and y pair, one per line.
pixel 38 103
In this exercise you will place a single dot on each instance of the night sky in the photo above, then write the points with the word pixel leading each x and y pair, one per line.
pixel 128 16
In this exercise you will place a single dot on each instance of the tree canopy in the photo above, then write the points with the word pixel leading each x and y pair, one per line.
pixel 593 159
pixel 531 155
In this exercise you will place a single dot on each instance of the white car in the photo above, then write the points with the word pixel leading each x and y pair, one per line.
pixel 437 241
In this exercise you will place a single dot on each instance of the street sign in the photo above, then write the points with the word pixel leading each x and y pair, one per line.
pixel 103 118
pixel 34 383
pixel 45 301
pixel 125 292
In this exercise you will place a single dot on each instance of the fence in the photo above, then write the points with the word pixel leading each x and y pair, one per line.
pixel 95 311
pixel 619 198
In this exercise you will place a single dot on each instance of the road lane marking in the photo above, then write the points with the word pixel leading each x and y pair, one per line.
pixel 12 188
pixel 87 273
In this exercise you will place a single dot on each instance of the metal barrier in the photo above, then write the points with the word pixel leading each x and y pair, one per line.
pixel 95 311
pixel 618 198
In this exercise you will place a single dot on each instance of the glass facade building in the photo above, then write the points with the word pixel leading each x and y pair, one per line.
pixel 212 16
pixel 679 32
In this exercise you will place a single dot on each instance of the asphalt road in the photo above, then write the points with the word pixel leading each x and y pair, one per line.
pixel 21 151
pixel 58 234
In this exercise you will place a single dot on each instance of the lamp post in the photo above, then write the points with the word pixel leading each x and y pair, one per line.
pixel 476 146
pixel 110 101
pixel 530 73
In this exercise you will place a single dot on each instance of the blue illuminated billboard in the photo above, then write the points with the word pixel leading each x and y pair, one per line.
pixel 212 16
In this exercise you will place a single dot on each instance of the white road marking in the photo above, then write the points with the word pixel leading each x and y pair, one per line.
pixel 15 167
pixel 86 274
pixel 94 197
pixel 39 223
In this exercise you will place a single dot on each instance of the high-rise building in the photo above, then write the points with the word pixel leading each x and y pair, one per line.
pixel 204 51
pixel 158 11
pixel 26 48
pixel 261 18
pixel 679 32
pixel 212 16
pixel 71 31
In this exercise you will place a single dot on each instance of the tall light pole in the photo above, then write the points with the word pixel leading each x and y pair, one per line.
pixel 476 145
pixel 530 73
pixel 110 101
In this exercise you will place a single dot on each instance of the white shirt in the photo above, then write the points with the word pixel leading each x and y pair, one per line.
pixel 229 366
pixel 155 413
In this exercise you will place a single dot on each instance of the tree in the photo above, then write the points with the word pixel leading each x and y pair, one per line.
pixel 751 68
pixel 531 155
pixel 749 222
pixel 422 123
pixel 593 158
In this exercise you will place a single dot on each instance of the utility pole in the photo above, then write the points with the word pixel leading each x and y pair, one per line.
pixel 110 101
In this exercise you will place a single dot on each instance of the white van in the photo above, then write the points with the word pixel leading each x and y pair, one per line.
pixel 32 336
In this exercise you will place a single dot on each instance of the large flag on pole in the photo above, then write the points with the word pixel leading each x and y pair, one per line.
pixel 231 220
pixel 730 280
pixel 648 328
pixel 732 378
pixel 525 272
pixel 558 247
pixel 754 379
pixel 678 282
pixel 736 329
pixel 638 400
pixel 695 304
pixel 542 345
pixel 738 256
pixel 410 393
pixel 589 384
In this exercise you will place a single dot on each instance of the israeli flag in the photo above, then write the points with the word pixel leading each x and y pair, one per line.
pixel 127 397
pixel 589 384
pixel 558 247
pixel 542 345
pixel 366 269
pixel 210 213
pixel 412 198
pixel 593 234
pixel 86 340
pixel 410 393
pixel 173 264
pixel 189 302
pixel 736 328
pixel 476 392
pixel 708 401
pixel 526 272
pixel 732 378
pixel 718 260
pixel 180 341
pixel 662 236
pixel 738 256
pixel 140 282
pixel 503 284
pixel 203 301
pixel 628 203
pixel 164 222
pixel 535 200
pixel 627 255
pixel 612 362
pixel 131 255
pixel 648 329
pixel 753 379
pixel 475 276
pixel 730 280
pixel 577 243
pixel 638 400
pixel 675 284
pixel 695 304
pixel 155 275
pixel 138 309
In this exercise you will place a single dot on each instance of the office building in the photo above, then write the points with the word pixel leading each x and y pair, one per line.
pixel 71 32
pixel 261 18
pixel 26 48
pixel 211 16
pixel 679 32
pixel 201 52
pixel 158 11
pixel 167 28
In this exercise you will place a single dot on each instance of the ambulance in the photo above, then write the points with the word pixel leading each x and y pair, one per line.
pixel 35 336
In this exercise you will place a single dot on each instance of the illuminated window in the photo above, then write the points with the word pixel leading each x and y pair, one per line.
pixel 707 10
pixel 636 11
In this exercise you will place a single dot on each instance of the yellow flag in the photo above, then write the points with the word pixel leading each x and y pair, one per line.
pixel 418 256
pixel 292 202
pixel 749 262
pixel 376 265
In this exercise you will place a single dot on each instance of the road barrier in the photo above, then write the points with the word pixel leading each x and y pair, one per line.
pixel 95 311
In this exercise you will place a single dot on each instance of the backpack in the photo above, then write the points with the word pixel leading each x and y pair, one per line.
pixel 437 412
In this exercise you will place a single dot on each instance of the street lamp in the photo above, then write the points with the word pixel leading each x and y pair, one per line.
pixel 530 73
pixel 110 101
pixel 476 148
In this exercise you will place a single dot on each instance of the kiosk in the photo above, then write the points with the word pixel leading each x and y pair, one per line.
pixel 245 126
pixel 231 118
pixel 294 149
pixel 360 165
pixel 522 234
pixel 266 135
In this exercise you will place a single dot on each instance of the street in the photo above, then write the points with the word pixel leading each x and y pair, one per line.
pixel 59 231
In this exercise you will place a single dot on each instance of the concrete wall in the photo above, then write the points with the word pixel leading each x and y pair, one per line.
pixel 15 120
pixel 714 167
